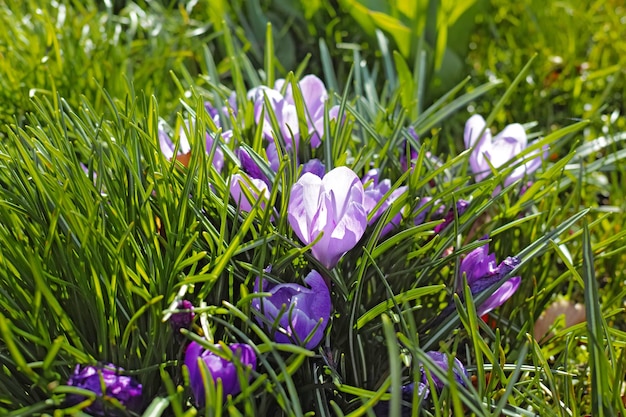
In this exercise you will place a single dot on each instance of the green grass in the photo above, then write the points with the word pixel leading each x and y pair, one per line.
pixel 99 233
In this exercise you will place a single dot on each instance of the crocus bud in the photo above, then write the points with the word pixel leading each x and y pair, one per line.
pixel 182 319
pixel 481 272
pixel 314 166
pixel 125 389
pixel 442 362
pixel 332 205
pixel 300 311
pixel 219 368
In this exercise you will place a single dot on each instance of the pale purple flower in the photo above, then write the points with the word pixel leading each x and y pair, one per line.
pixel 231 104
pixel 315 95
pixel 374 192
pixel 124 389
pixel 272 156
pixel 257 189
pixel 285 112
pixel 481 272
pixel 219 368
pixel 184 148
pixel 443 363
pixel 504 147
pixel 300 311
pixel 332 206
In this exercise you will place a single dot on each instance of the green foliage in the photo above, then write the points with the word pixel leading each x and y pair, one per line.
pixel 99 233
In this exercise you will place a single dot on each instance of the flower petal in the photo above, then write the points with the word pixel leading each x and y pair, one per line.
pixel 506 290
pixel 303 205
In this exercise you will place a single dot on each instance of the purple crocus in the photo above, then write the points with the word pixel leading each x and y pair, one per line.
pixel 302 313
pixel 182 319
pixel 443 363
pixel 461 207
pixel 314 95
pixel 219 368
pixel 184 148
pixel 375 191
pixel 315 167
pixel 505 147
pixel 257 189
pixel 249 166
pixel 231 104
pixel 285 113
pixel 481 272
pixel 382 409
pixel 332 206
pixel 125 389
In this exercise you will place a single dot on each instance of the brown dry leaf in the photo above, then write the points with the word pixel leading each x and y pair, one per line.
pixel 573 314
pixel 184 159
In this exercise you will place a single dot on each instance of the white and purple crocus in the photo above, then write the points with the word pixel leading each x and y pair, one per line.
pixel 495 152
pixel 314 96
pixel 333 207
pixel 301 313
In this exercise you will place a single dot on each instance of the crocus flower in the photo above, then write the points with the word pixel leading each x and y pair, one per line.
pixel 481 272
pixel 299 310
pixel 332 206
pixel 285 112
pixel 184 148
pixel 249 166
pixel 182 319
pixel 461 206
pixel 231 104
pixel 125 389
pixel 442 362
pixel 314 95
pixel 382 409
pixel 315 167
pixel 505 147
pixel 219 368
pixel 420 214
pixel 374 191
pixel 257 188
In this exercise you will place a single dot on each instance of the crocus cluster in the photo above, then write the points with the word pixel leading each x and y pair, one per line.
pixel 302 313
pixel 496 152
pixel 124 389
pixel 481 271
pixel 333 207
pixel 219 368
